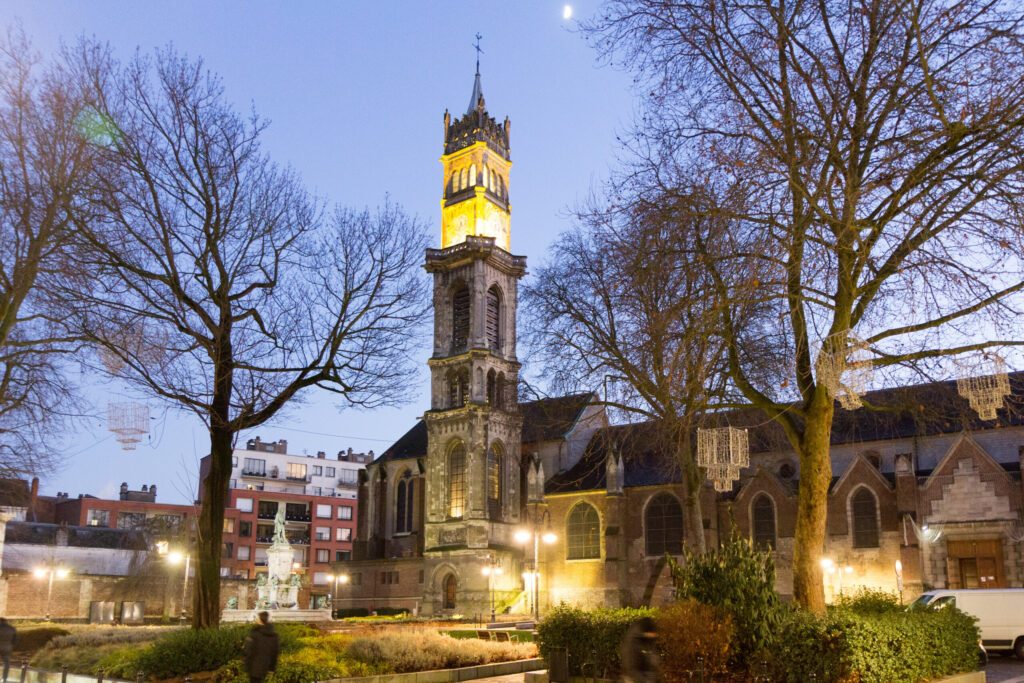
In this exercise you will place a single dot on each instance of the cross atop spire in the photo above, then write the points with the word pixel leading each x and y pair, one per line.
pixel 478 91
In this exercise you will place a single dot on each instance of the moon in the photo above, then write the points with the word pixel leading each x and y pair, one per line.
pixel 567 12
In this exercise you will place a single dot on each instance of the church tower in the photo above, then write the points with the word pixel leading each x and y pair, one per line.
pixel 473 425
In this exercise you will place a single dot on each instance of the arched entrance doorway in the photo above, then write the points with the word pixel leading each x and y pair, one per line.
pixel 449 586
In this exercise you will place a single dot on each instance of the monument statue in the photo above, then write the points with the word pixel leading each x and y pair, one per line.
pixel 279 537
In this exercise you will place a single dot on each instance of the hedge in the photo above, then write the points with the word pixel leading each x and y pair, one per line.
pixel 591 637
pixel 870 647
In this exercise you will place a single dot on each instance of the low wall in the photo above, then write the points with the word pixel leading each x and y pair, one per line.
pixel 467 673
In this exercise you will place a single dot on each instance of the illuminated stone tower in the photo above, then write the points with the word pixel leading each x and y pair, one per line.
pixel 473 425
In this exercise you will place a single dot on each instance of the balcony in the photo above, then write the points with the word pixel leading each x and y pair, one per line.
pixel 297 518
pixel 254 473
pixel 266 515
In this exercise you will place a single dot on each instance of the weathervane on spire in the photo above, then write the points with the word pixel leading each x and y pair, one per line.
pixel 476 46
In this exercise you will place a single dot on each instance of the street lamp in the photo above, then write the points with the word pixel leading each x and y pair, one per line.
pixel 335 579
pixel 898 567
pixel 174 558
pixel 491 570
pixel 524 536
pixel 50 573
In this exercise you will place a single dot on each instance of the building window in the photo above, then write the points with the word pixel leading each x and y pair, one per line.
pixel 245 529
pixel 314 490
pixel 762 522
pixel 323 555
pixel 450 588
pixel 329 472
pixel 495 472
pixel 663 526
pixel 229 551
pixel 319 578
pixel 458 388
pixel 98 518
pixel 131 520
pixel 254 467
pixel 865 519
pixel 297 471
pixel 457 481
pixel 318 470
pixel 493 318
pixel 243 552
pixel 233 484
pixel 234 461
pixel 404 499
pixel 245 504
pixel 323 533
pixel 323 511
pixel 343 534
pixel 229 525
pixel 460 318
pixel 342 555
pixel 344 512
pixel 583 533
pixel 328 493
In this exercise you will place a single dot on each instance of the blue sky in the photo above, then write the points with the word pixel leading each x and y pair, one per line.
pixel 355 93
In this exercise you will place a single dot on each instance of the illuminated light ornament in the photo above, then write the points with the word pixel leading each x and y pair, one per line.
pixel 722 452
pixel 846 372
pixel 135 343
pixel 985 385
pixel 129 422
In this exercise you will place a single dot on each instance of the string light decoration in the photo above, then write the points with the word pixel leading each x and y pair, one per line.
pixel 722 452
pixel 135 342
pixel 847 373
pixel 129 422
pixel 985 385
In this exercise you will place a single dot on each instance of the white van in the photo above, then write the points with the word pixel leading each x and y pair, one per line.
pixel 999 611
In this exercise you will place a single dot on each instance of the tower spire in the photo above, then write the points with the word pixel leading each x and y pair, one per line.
pixel 478 91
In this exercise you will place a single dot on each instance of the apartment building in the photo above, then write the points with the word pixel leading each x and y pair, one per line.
pixel 318 496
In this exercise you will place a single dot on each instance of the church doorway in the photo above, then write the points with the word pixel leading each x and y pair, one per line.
pixel 449 586
pixel 975 564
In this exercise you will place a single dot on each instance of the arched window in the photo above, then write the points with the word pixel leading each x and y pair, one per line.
pixel 458 388
pixel 404 498
pixel 583 530
pixel 502 397
pixel 449 585
pixel 864 508
pixel 762 522
pixel 495 475
pixel 463 178
pixel 490 179
pixel 453 186
pixel 457 481
pixel 494 318
pixel 473 177
pixel 460 317
pixel 492 388
pixel 663 526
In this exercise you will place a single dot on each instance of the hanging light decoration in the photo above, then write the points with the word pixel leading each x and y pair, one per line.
pixel 136 343
pixel 129 422
pixel 722 452
pixel 985 385
pixel 847 371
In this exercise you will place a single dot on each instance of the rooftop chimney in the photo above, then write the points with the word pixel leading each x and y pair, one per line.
pixel 321 455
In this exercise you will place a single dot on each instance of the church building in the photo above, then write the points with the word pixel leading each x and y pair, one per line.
pixel 451 516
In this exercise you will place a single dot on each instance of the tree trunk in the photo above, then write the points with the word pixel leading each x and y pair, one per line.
pixel 693 513
pixel 206 596
pixel 812 506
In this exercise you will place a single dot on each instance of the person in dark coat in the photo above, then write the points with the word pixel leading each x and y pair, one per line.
pixel 639 653
pixel 8 638
pixel 261 648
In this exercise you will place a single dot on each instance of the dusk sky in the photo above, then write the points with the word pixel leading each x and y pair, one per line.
pixel 356 93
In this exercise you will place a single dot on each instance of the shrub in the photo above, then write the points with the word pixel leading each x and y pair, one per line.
pixel 425 649
pixel 870 601
pixel 591 637
pixel 691 635
pixel 870 647
pixel 741 581
pixel 189 651
pixel 113 635
pixel 32 639
pixel 79 658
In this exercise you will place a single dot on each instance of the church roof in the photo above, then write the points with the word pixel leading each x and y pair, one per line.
pixel 478 92
pixel 546 419
pixel 899 413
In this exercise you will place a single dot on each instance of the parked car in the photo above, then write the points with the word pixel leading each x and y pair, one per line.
pixel 999 611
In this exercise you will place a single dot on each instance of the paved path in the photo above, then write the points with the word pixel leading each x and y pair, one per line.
pixel 1004 670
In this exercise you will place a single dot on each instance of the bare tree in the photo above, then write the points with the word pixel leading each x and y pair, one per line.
pixel 43 163
pixel 222 288
pixel 869 157
pixel 623 298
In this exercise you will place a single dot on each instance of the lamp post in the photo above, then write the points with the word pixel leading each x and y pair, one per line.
pixel 490 570
pixel 174 558
pixel 536 535
pixel 50 572
pixel 335 579
pixel 898 568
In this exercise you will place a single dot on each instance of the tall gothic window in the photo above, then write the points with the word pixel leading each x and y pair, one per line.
pixel 501 397
pixel 762 522
pixel 663 526
pixel 492 385
pixel 450 585
pixel 458 388
pixel 865 519
pixel 495 472
pixel 404 502
pixel 583 529
pixel 457 481
pixel 494 318
pixel 460 317
pixel 463 177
